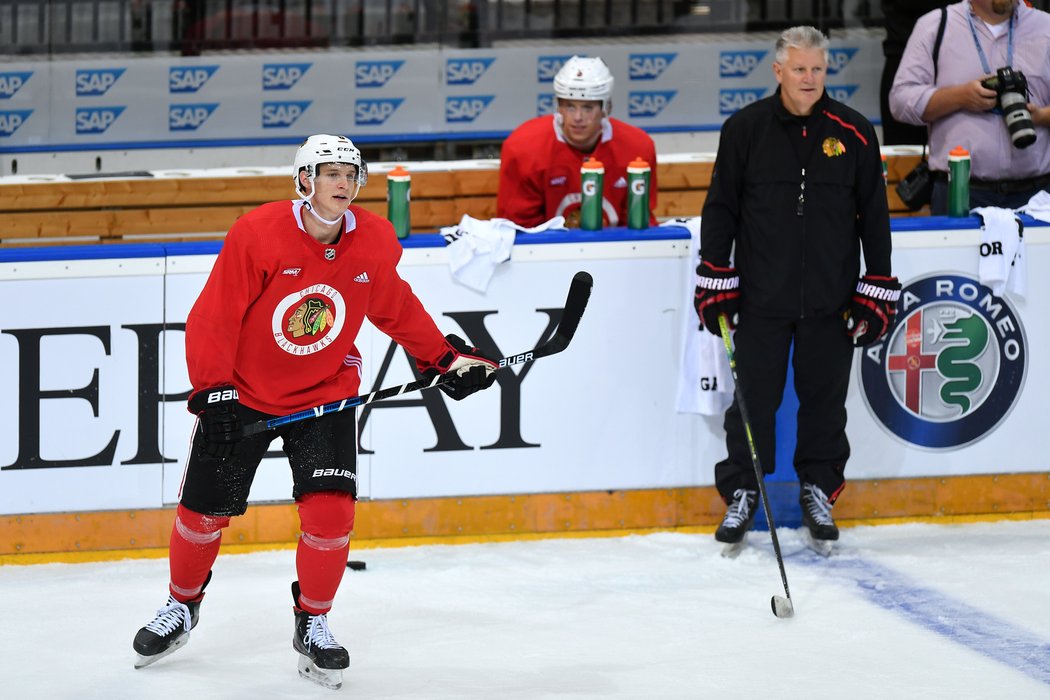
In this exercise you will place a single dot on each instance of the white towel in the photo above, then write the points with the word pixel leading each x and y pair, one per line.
pixel 705 382
pixel 1001 262
pixel 476 247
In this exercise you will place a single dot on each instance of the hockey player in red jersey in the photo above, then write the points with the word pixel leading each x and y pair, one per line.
pixel 539 175
pixel 273 333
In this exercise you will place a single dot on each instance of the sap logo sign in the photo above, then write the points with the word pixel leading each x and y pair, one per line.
pixel 466 71
pixel 648 104
pixel 375 112
pixel 738 64
pixel 283 76
pixel 838 58
pixel 648 66
pixel 371 74
pixel 465 109
pixel 95 120
pixel 189 117
pixel 94 82
pixel 548 66
pixel 278 115
pixel 842 93
pixel 545 104
pixel 10 83
pixel 730 101
pixel 12 119
pixel 189 79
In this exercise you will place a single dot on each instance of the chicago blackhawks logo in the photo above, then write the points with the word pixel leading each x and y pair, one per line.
pixel 308 320
pixel 953 367
pixel 833 147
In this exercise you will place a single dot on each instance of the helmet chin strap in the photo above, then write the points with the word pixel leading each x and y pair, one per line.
pixel 310 207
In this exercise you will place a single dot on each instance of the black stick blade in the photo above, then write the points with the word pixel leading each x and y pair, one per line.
pixel 575 304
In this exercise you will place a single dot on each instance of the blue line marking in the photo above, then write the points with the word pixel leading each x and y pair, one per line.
pixel 999 640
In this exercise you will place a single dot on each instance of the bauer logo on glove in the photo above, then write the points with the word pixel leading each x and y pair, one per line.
pixel 873 309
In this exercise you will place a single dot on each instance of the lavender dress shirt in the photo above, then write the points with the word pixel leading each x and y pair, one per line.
pixel 984 135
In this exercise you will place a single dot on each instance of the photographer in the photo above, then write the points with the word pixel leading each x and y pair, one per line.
pixel 973 104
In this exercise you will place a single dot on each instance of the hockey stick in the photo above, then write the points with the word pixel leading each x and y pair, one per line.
pixel 575 303
pixel 782 607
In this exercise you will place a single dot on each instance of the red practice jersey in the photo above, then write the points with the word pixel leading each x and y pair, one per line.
pixel 280 313
pixel 539 174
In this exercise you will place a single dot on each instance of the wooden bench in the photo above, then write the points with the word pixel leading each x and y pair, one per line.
pixel 172 206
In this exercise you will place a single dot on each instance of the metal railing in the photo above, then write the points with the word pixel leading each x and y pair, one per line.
pixel 193 26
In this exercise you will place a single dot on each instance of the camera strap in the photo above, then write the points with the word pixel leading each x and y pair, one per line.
pixel 1009 43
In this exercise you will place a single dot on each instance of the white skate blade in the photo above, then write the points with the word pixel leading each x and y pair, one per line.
pixel 821 547
pixel 144 661
pixel 331 678
pixel 731 550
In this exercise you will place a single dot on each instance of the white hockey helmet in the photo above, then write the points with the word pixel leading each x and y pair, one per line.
pixel 325 148
pixel 584 78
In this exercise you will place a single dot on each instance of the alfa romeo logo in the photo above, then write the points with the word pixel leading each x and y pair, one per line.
pixel 953 367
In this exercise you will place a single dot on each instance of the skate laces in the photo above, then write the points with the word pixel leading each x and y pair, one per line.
pixel 318 634
pixel 817 504
pixel 739 509
pixel 170 617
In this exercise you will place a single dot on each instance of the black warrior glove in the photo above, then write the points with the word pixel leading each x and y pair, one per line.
pixel 717 293
pixel 220 424
pixel 873 309
pixel 472 369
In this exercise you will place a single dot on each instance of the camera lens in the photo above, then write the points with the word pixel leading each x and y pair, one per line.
pixel 1018 119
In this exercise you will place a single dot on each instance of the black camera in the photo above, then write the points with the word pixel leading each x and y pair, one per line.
pixel 1011 88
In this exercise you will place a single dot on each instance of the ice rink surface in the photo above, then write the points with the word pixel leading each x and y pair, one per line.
pixel 899 611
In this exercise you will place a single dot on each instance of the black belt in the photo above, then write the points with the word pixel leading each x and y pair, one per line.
pixel 1028 184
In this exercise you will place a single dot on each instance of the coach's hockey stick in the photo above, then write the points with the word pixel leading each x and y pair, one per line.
pixel 782 607
pixel 575 303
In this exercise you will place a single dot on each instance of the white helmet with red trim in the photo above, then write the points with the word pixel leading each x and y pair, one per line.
pixel 325 148
pixel 584 78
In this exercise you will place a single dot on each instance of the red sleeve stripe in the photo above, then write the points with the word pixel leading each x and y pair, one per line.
pixel 847 126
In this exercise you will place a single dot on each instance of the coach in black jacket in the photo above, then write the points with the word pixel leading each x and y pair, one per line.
pixel 798 189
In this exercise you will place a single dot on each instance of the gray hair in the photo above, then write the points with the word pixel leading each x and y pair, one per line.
pixel 802 37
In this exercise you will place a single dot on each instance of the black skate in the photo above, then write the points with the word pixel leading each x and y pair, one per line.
pixel 169 630
pixel 821 530
pixel 321 658
pixel 737 521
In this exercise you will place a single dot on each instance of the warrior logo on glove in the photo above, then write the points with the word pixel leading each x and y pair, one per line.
pixel 873 309
pixel 717 293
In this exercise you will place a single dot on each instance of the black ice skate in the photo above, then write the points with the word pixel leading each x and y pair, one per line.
pixel 737 521
pixel 820 530
pixel 169 630
pixel 321 658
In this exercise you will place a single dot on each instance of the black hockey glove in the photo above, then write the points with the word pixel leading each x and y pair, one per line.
pixel 473 370
pixel 717 293
pixel 873 309
pixel 218 420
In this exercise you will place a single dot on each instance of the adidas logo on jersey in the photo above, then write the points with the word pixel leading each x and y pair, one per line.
pixel 363 278
pixel 292 271
pixel 558 181
pixel 621 183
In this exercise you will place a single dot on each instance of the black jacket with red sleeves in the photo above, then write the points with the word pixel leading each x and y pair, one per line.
pixel 799 197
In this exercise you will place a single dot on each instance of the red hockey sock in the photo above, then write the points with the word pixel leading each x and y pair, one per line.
pixel 326 519
pixel 195 540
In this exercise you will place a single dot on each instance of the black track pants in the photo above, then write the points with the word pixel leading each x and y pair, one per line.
pixel 822 360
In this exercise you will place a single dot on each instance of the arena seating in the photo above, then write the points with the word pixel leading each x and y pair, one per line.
pixel 172 206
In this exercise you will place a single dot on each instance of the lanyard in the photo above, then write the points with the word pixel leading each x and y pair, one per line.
pixel 1009 42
